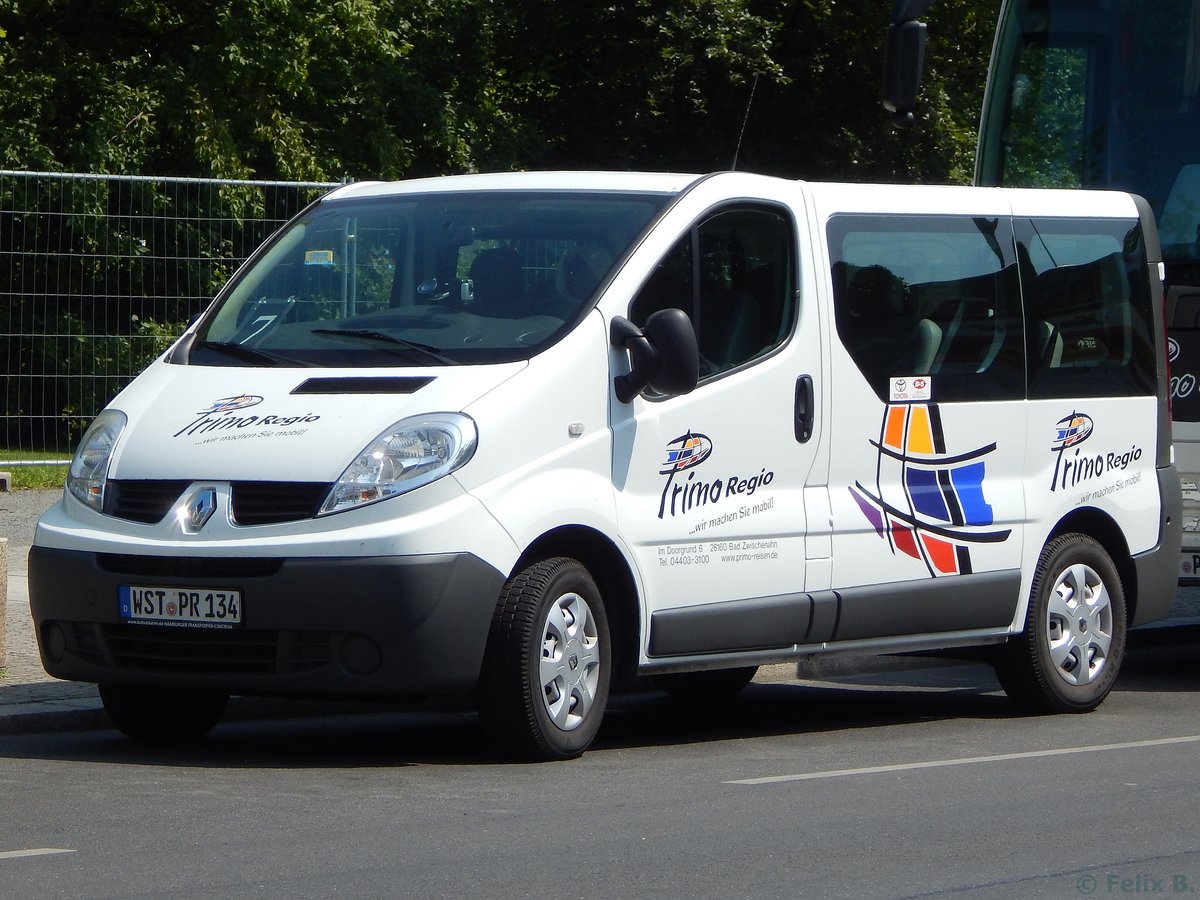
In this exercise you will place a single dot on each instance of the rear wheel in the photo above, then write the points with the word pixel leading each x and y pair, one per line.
pixel 162 715
pixel 1068 656
pixel 546 671
pixel 711 684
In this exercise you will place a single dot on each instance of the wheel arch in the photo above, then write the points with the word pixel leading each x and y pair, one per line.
pixel 613 576
pixel 1103 528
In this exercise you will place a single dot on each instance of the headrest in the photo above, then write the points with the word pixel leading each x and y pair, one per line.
pixel 875 291
pixel 580 269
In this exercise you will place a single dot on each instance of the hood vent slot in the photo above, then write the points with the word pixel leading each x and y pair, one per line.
pixel 383 384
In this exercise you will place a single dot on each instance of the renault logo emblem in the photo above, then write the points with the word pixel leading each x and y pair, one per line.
pixel 198 510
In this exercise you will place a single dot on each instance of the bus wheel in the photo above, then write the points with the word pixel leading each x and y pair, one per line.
pixel 1067 658
pixel 711 684
pixel 162 715
pixel 547 666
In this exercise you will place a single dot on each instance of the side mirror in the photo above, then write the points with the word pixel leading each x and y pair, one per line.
pixel 663 355
pixel 904 60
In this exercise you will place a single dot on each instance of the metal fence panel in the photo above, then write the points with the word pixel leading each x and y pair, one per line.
pixel 99 273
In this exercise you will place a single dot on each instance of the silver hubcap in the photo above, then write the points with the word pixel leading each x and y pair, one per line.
pixel 1079 627
pixel 570 665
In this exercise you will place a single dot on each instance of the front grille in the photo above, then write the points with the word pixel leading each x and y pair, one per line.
pixel 269 502
pixel 198 651
pixel 252 502
pixel 141 501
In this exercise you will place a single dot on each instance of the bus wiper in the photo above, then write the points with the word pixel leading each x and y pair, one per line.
pixel 250 354
pixel 368 334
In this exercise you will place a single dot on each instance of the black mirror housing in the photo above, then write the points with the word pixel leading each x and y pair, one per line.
pixel 663 355
pixel 904 63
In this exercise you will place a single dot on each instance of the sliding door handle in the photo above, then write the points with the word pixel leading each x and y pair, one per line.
pixel 804 408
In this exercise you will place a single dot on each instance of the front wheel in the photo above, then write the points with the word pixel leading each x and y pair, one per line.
pixel 162 715
pixel 1068 656
pixel 546 671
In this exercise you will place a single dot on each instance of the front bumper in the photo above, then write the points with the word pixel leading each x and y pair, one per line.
pixel 385 626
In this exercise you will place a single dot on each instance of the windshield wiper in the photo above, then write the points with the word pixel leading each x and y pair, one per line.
pixel 368 334
pixel 250 354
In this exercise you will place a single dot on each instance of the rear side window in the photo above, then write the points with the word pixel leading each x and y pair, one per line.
pixel 1087 295
pixel 930 296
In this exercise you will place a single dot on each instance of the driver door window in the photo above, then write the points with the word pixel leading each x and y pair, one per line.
pixel 733 275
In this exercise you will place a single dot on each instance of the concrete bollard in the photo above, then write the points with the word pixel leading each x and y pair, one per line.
pixel 3 600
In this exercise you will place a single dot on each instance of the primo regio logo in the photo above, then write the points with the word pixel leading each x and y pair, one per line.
pixel 1071 464
pixel 682 494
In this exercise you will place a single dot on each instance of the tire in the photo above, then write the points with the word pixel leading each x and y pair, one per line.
pixel 1068 656
pixel 162 715
pixel 546 670
pixel 711 684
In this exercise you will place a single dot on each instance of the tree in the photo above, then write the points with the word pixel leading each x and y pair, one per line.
pixel 301 89
pixel 292 89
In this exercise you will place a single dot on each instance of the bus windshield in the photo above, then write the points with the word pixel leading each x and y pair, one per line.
pixel 1100 94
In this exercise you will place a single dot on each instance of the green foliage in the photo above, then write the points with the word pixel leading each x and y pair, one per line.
pixel 98 365
pixel 314 90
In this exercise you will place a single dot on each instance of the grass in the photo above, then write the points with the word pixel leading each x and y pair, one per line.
pixel 34 477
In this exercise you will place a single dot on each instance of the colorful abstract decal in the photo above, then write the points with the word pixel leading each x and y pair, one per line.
pixel 939 508
pixel 686 451
pixel 229 404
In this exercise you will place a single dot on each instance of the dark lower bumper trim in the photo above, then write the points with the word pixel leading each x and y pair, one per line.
pixel 384 626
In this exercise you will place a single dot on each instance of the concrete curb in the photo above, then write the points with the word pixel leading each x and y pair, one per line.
pixel 3 602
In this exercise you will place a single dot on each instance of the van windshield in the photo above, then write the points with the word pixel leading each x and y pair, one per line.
pixel 423 279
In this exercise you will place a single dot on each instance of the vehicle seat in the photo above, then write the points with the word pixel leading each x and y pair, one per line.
pixel 499 283
pixel 884 338
pixel 729 327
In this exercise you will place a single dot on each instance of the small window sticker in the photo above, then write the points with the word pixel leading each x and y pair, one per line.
pixel 911 389
pixel 318 257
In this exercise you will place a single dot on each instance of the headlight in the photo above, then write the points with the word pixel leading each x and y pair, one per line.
pixel 409 454
pixel 89 467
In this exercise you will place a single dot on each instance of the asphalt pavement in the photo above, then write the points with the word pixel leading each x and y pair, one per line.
pixel 33 702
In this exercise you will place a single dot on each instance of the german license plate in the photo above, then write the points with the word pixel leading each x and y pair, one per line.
pixel 193 607
pixel 1189 564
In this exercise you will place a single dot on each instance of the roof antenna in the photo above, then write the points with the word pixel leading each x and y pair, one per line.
pixel 745 119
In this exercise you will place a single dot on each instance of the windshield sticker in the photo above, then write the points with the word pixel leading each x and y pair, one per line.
pixel 927 503
pixel 318 257
pixel 910 390
pixel 1072 469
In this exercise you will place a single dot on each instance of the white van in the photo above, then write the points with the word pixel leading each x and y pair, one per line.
pixel 527 436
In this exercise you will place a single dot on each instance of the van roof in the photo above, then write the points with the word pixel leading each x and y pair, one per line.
pixel 887 199
pixel 830 198
pixel 653 182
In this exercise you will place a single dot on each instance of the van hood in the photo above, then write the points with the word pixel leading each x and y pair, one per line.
pixel 203 423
